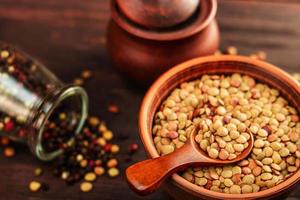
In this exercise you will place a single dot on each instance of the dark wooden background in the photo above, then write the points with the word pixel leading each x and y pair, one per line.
pixel 69 36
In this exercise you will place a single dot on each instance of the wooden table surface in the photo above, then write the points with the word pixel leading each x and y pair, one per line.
pixel 69 36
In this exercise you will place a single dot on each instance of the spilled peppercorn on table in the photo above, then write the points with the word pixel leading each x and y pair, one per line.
pixel 69 37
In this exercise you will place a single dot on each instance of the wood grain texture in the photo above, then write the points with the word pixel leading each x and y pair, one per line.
pixel 69 36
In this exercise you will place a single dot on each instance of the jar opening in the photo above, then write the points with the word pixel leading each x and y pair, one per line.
pixel 59 120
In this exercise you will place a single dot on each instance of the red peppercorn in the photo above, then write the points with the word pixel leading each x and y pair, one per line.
pixel 113 108
pixel 9 126
pixel 21 133
pixel 107 147
pixel 95 141
pixel 133 148
pixel 98 162
pixel 91 163
pixel 87 132
pixel 63 146
pixel 46 135
pixel 22 77
pixel 4 141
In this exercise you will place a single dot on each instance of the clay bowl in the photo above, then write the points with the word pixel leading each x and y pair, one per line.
pixel 177 186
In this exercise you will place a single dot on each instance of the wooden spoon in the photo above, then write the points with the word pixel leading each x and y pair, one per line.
pixel 145 177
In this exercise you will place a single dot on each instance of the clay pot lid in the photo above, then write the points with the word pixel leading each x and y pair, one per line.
pixel 205 13
pixel 158 13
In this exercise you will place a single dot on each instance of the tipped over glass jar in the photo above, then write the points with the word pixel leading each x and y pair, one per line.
pixel 35 106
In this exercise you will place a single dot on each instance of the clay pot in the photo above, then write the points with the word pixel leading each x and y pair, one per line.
pixel 142 54
pixel 177 186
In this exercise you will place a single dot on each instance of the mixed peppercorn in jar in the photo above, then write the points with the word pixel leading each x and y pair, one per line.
pixel 227 109
pixel 31 98
pixel 38 109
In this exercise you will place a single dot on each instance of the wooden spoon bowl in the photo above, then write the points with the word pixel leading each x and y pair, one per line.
pixel 146 176
pixel 263 72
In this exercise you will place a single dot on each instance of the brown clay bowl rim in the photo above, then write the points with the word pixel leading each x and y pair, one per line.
pixel 202 20
pixel 152 93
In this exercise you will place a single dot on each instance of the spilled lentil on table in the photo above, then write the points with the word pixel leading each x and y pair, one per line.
pixel 296 76
pixel 232 106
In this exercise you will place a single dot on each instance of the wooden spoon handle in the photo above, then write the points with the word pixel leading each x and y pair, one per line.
pixel 145 177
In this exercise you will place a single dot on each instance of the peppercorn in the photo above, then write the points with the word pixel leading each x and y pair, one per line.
pixel 34 186
pixel 9 152
pixel 133 148
pixel 78 81
pixel 86 74
pixel 38 171
pixel 113 108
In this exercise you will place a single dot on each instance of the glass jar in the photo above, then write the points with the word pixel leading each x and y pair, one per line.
pixel 32 100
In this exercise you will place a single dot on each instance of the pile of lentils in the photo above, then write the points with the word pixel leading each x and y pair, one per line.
pixel 228 109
